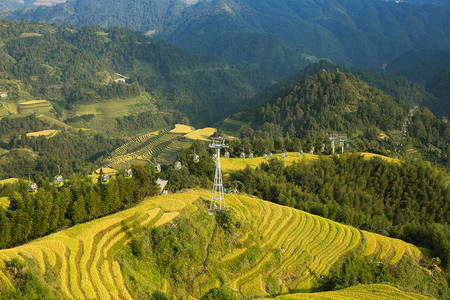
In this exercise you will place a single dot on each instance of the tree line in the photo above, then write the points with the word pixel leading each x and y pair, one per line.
pixel 80 199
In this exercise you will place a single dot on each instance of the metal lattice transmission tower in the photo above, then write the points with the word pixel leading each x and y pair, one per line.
pixel 342 141
pixel 217 196
pixel 333 138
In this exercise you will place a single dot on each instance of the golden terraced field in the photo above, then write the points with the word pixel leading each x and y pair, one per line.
pixel 235 163
pixel 295 248
pixel 371 291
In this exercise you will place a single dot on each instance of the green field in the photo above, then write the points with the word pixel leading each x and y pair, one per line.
pixel 35 107
pixel 231 126
pixel 295 248
pixel 118 107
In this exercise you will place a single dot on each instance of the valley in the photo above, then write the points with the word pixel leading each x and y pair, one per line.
pixel 332 180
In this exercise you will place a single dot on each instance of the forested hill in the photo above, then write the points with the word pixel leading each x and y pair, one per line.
pixel 366 33
pixel 72 66
pixel 341 103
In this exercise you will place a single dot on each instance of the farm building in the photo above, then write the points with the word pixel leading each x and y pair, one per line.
pixel 3 95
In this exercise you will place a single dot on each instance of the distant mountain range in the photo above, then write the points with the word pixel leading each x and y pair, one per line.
pixel 274 36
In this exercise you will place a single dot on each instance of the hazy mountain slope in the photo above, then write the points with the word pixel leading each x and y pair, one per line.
pixel 363 32
pixel 430 69
pixel 420 66
pixel 439 86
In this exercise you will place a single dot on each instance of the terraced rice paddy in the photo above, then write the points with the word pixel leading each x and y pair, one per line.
pixel 144 147
pixel 307 246
pixel 3 110
pixel 35 106
pixel 231 126
pixel 180 128
pixel 83 256
pixel 367 292
pixel 235 164
pixel 293 247
pixel 48 133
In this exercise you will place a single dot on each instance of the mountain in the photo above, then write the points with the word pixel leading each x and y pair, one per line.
pixel 91 70
pixel 366 33
pixel 340 103
pixel 21 4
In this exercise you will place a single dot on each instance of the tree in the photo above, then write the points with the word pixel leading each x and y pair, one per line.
pixel 5 229
pixel 78 211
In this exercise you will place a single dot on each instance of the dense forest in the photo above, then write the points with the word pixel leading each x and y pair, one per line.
pixel 75 151
pixel 408 200
pixel 78 200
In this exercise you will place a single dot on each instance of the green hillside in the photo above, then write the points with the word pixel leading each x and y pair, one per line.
pixel 256 249
pixel 115 80
pixel 339 103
